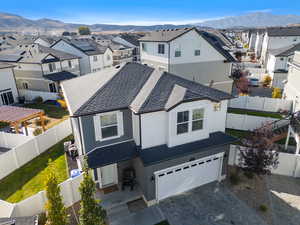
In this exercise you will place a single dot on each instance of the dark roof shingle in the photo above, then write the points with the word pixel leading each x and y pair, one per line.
pixel 283 31
pixel 60 76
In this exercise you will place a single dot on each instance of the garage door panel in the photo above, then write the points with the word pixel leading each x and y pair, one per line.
pixel 187 176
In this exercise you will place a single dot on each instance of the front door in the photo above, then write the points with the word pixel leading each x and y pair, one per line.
pixel 109 175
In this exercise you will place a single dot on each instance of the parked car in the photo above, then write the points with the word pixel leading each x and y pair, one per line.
pixel 254 82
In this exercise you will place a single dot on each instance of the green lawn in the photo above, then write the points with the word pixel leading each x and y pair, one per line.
pixel 165 222
pixel 50 110
pixel 254 113
pixel 30 178
pixel 237 133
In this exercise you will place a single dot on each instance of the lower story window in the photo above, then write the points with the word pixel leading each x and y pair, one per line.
pixel 52 87
pixel 7 98
pixel 182 122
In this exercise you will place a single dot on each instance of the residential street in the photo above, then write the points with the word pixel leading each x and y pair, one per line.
pixel 210 204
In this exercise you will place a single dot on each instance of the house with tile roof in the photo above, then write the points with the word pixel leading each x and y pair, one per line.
pixel 93 57
pixel 277 66
pixel 39 68
pixel 168 130
pixel 278 37
pixel 198 55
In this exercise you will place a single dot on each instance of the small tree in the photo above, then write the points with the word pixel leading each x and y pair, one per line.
pixel 276 93
pixel 82 30
pixel 259 154
pixel 55 209
pixel 267 81
pixel 91 213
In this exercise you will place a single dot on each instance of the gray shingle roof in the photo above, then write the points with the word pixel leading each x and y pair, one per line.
pixel 124 88
pixel 158 98
pixel 286 51
pixel 119 92
pixel 165 35
pixel 283 31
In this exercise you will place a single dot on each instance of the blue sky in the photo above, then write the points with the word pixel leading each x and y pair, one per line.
pixel 144 12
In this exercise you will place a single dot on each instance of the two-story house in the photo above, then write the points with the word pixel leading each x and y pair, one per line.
pixel 38 68
pixel 8 88
pixel 277 66
pixel 169 129
pixel 92 56
pixel 196 55
pixel 278 37
pixel 292 87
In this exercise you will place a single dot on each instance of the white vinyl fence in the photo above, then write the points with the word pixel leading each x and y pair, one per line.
pixel 261 103
pixel 246 122
pixel 289 164
pixel 36 203
pixel 31 95
pixel 26 148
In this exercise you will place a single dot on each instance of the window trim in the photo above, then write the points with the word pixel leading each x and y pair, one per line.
pixel 184 122
pixel 52 67
pixel 70 64
pixel 95 58
pixel 54 87
pixel 98 127
pixel 8 96
pixel 190 120
pixel 144 47
pixel 161 49
pixel 196 50
pixel 176 51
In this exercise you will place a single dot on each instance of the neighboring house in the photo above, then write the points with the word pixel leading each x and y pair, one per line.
pixel 245 36
pixel 92 56
pixel 169 129
pixel 278 37
pixel 45 41
pixel 292 87
pixel 258 43
pixel 8 88
pixel 197 55
pixel 131 41
pixel 277 66
pixel 38 68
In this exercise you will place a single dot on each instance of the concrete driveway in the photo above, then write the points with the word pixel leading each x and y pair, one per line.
pixel 211 204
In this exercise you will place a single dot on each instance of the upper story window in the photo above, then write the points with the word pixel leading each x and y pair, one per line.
pixel 7 98
pixel 95 58
pixel 25 85
pixel 217 106
pixel 52 87
pixel 144 47
pixel 52 67
pixel 108 125
pixel 188 123
pixel 197 52
pixel 70 64
pixel 177 53
pixel 161 49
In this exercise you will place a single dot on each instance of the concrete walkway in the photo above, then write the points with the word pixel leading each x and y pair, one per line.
pixel 210 204
pixel 285 199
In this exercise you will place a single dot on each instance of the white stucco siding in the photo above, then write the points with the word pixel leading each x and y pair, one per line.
pixel 151 52
pixel 187 44
pixel 154 129
pixel 292 88
pixel 84 61
pixel 46 69
pixel 217 119
pixel 175 139
pixel 108 58
pixel 136 128
pixel 7 83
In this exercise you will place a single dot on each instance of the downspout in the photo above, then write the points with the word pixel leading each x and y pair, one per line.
pixel 140 128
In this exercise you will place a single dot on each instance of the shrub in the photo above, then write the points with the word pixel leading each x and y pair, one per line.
pixel 249 174
pixel 267 81
pixel 38 122
pixel 38 99
pixel 276 93
pixel 42 219
pixel 263 208
pixel 235 179
pixel 37 131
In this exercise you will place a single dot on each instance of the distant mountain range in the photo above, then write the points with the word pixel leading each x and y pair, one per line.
pixel 11 22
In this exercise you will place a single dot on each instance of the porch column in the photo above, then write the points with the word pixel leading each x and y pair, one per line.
pixel 287 138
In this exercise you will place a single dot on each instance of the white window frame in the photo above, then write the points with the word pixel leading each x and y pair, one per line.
pixel 70 64
pixel 25 85
pixel 177 51
pixel 95 58
pixel 144 47
pixel 98 127
pixel 54 87
pixel 52 67
pixel 184 122
pixel 190 120
pixel 196 50
pixel 161 49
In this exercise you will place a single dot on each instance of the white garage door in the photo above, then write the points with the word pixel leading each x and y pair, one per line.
pixel 181 178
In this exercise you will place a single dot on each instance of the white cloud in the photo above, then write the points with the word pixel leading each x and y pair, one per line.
pixel 259 10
